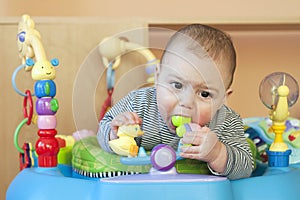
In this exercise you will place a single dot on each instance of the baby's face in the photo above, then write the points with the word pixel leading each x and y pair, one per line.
pixel 189 87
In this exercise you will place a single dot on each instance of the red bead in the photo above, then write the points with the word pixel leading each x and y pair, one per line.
pixel 47 148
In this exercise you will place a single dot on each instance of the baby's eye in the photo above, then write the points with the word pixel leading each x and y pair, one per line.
pixel 204 94
pixel 177 85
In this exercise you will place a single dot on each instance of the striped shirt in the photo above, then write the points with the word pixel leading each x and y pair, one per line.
pixel 226 124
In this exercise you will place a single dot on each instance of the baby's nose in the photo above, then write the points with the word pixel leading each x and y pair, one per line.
pixel 187 99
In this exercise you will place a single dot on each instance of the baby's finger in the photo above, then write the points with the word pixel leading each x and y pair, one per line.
pixel 192 138
pixel 190 152
pixel 119 121
pixel 189 149
pixel 190 156
pixel 134 118
pixel 126 119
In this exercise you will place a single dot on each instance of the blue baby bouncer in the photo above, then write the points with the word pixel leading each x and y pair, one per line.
pixel 83 171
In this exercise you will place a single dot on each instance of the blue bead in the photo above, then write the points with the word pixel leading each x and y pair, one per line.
pixel 45 88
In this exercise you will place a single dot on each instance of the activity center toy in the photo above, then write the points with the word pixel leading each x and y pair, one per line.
pixel 75 167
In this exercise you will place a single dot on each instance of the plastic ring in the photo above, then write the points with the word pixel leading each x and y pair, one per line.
pixel 110 77
pixel 14 81
pixel 27 98
pixel 16 135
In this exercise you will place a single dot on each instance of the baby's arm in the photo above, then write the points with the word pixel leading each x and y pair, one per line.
pixel 240 162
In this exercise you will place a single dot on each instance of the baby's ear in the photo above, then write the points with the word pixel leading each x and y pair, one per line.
pixel 229 91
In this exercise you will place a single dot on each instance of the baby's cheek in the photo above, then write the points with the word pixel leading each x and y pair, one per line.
pixel 164 107
pixel 165 101
pixel 205 117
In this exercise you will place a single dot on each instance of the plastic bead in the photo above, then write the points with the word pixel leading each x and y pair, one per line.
pixel 46 106
pixel 46 121
pixel 47 148
pixel 45 88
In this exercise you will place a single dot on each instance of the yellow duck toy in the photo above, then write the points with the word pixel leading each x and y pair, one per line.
pixel 125 145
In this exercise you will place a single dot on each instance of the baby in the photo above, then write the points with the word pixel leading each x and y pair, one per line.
pixel 193 80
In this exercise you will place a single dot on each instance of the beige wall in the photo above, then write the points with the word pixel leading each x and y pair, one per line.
pixel 85 23
pixel 167 10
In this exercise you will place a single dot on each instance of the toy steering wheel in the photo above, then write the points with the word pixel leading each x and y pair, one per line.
pixel 163 157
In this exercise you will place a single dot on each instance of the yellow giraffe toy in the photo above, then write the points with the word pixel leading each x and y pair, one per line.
pixel 34 59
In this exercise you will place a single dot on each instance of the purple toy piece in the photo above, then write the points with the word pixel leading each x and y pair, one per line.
pixel 163 157
pixel 43 106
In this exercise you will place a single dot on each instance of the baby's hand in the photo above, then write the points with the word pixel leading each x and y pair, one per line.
pixel 205 144
pixel 125 118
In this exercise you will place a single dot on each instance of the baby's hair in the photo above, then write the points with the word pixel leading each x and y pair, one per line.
pixel 217 44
